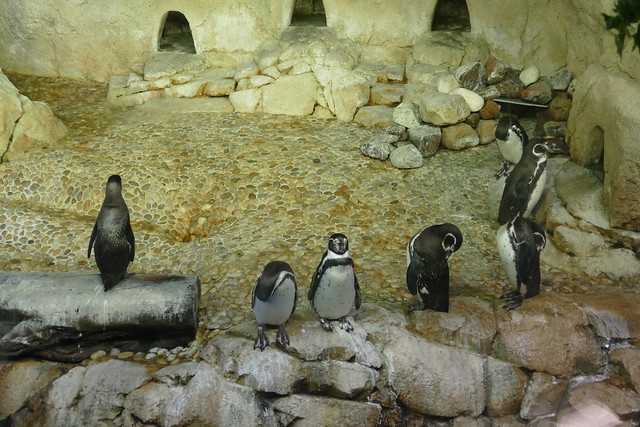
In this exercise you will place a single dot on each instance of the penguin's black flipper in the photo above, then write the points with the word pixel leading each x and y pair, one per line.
pixel 316 279
pixel 131 239
pixel 94 233
pixel 412 278
pixel 358 300
pixel 514 198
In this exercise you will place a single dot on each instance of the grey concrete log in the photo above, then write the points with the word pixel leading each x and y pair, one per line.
pixel 66 316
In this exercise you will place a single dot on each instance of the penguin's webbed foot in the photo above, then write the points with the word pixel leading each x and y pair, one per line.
pixel 345 325
pixel 512 300
pixel 417 306
pixel 326 325
pixel 282 338
pixel 261 341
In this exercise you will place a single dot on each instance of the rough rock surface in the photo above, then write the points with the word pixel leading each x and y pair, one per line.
pixel 407 114
pixel 434 379
pixel 378 148
pixel 168 64
pixel 441 109
pixel 540 337
pixel 406 157
pixel 377 116
pixel 10 111
pixel 474 101
pixel 459 137
pixel 344 90
pixel 246 101
pixel 505 388
pixel 624 403
pixel 313 411
pixel 426 139
pixel 543 396
pixel 20 381
pixel 292 95
pixel 387 94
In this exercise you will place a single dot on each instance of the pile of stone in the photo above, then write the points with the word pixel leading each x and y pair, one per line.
pixel 25 124
pixel 476 365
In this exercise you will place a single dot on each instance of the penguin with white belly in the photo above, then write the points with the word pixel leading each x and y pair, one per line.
pixel 520 242
pixel 428 253
pixel 334 288
pixel 511 139
pixel 525 184
pixel 273 301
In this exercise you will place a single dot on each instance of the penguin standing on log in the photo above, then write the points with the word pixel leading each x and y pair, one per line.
pixel 334 287
pixel 520 242
pixel 112 237
pixel 525 184
pixel 273 301
pixel 428 253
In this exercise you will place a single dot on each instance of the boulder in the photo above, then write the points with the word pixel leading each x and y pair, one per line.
pixel 37 128
pixel 491 92
pixel 148 402
pixel 406 114
pixel 187 90
pixel 605 119
pixel 539 93
pixel 529 75
pixel 548 333
pixel 441 109
pixel 473 120
pixel 469 324
pixel 10 111
pixel 474 101
pixel 168 64
pixel 629 358
pixel 272 72
pixel 220 87
pixel 424 74
pixel 339 379
pixel 510 86
pixel 447 83
pixel 310 411
pixel 433 379
pixel 487 131
pixel 406 157
pixel 291 95
pixel 269 371
pixel 344 90
pixel 259 81
pixel 387 94
pixel 246 70
pixel 612 316
pixel 578 242
pixel 19 381
pixel 560 108
pixel 496 70
pixel 471 76
pixel 471 422
pixel 323 113
pixel 623 402
pixel 377 148
pixel 543 396
pixel 426 139
pixel 246 101
pixel 377 116
pixel 490 110
pixel 505 388
pixel 449 48
pixel 397 130
pixel 384 73
pixel 561 79
pixel 459 137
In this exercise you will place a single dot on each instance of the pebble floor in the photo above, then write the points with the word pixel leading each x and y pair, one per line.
pixel 219 195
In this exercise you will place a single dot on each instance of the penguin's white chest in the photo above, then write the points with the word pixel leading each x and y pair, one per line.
pixel 336 292
pixel 277 309
pixel 507 254
pixel 536 193
pixel 511 149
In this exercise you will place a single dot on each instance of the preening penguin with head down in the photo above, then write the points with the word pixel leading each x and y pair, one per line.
pixel 428 253
pixel 112 237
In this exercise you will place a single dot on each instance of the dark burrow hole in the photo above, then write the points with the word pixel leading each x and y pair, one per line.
pixel 175 35
pixel 451 15
pixel 309 13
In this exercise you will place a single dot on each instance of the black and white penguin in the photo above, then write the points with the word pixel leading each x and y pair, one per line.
pixel 112 237
pixel 334 287
pixel 273 301
pixel 520 242
pixel 428 253
pixel 511 139
pixel 525 184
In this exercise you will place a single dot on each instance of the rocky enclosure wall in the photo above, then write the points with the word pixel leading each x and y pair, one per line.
pixel 94 40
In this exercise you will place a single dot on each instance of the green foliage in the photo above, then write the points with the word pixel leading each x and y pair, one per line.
pixel 626 14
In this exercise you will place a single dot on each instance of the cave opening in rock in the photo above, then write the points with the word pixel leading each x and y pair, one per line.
pixel 308 13
pixel 451 15
pixel 175 34
pixel 596 140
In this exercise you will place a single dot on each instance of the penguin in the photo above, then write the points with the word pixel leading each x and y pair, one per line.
pixel 520 242
pixel 273 301
pixel 428 253
pixel 334 288
pixel 511 139
pixel 112 236
pixel 525 184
